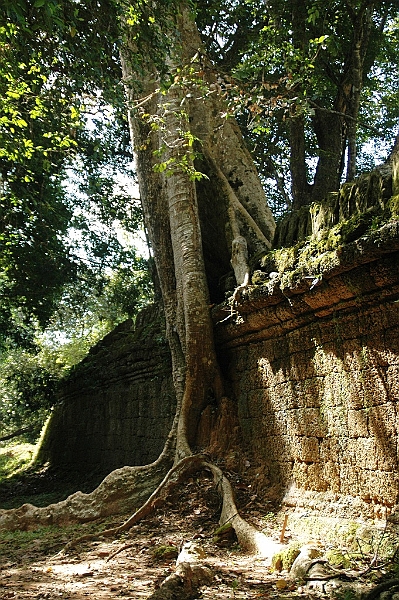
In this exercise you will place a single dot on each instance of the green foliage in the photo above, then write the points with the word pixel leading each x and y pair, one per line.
pixel 58 60
pixel 85 316
pixel 29 377
pixel 27 391
pixel 62 112
pixel 283 63
pixel 66 275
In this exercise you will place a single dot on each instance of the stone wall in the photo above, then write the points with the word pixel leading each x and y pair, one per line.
pixel 117 406
pixel 315 374
pixel 312 363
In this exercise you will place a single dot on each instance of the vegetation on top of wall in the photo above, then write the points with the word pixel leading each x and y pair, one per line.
pixel 362 210
pixel 316 256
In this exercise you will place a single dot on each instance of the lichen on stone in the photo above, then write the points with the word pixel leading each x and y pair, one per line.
pixel 165 552
pixel 283 560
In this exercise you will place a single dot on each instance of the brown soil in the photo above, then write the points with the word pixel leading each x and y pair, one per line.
pixel 32 564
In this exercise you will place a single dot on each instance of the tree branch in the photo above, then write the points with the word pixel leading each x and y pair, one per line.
pixel 16 433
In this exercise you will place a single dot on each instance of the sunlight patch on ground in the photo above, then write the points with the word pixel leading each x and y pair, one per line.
pixel 15 457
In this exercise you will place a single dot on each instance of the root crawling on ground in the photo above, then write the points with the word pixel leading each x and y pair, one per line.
pixel 248 536
pixel 121 491
pixel 171 479
pixel 85 507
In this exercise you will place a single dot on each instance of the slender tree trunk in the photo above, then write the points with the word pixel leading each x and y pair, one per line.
pixel 156 216
pixel 361 33
pixel 330 130
pixel 195 329
pixel 301 189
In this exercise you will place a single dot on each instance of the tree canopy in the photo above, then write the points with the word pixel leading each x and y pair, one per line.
pixel 314 87
pixel 61 111
pixel 66 197
pixel 317 87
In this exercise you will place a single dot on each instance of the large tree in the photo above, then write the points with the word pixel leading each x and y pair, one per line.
pixel 193 170
pixel 205 211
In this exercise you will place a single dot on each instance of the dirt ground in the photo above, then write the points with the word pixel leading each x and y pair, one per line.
pixel 33 564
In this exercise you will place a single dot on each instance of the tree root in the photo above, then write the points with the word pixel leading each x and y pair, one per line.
pixel 120 492
pixel 116 491
pixel 189 575
pixel 172 478
pixel 249 537
pixel 391 585
pixel 114 495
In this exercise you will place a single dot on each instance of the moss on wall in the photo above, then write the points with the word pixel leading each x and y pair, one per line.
pixel 348 213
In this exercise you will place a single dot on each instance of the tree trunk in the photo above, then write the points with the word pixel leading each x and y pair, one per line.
pixel 301 189
pixel 361 34
pixel 174 211
pixel 330 130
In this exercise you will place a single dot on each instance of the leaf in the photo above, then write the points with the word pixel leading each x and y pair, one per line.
pixel 39 3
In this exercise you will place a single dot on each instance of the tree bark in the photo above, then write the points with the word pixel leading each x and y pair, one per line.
pixel 330 130
pixel 361 33
pixel 174 211
pixel 301 189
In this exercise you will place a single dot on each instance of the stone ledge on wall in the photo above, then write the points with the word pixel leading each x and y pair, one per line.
pixel 351 276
